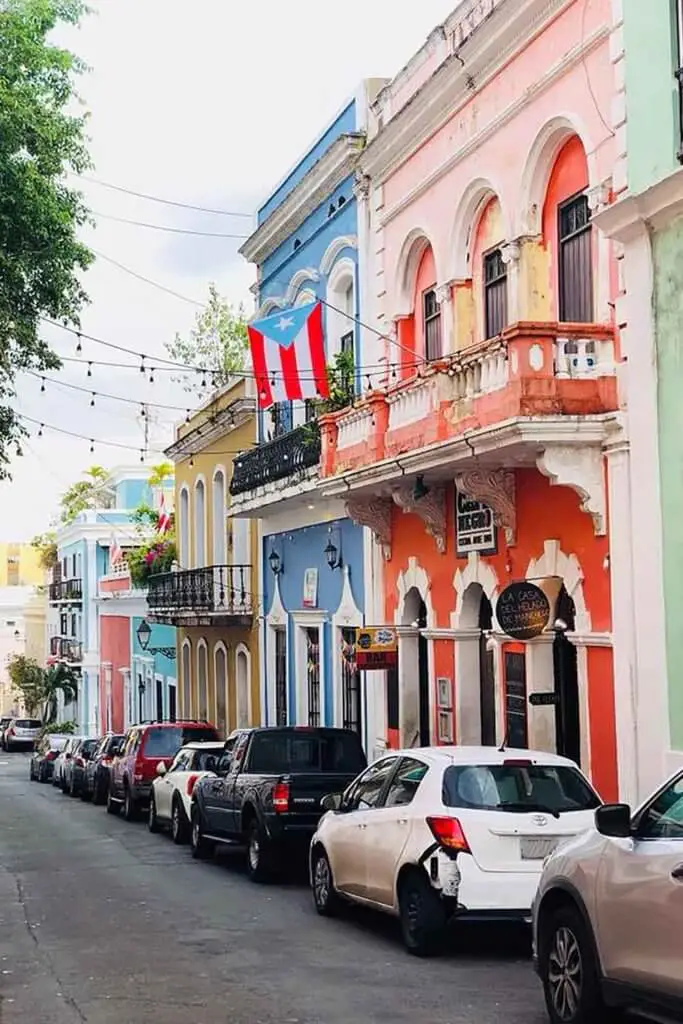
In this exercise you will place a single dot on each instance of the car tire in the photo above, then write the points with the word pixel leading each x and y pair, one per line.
pixel 152 821
pixel 99 793
pixel 325 897
pixel 179 823
pixel 113 806
pixel 130 807
pixel 423 916
pixel 31 772
pixel 73 791
pixel 569 971
pixel 85 794
pixel 202 848
pixel 259 853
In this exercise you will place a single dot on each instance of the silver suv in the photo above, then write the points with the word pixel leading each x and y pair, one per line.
pixel 608 916
pixel 22 734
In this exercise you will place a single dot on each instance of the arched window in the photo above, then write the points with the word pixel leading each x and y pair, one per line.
pixel 489 271
pixel 218 517
pixel 341 309
pixel 242 674
pixel 221 675
pixel 187 679
pixel 568 234
pixel 202 682
pixel 199 524
pixel 184 528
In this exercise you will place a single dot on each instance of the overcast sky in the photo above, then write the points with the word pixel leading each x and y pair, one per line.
pixel 208 103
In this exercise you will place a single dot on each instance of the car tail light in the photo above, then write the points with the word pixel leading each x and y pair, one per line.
pixel 79 761
pixel 51 755
pixel 10 732
pixel 191 783
pixel 281 797
pixel 449 834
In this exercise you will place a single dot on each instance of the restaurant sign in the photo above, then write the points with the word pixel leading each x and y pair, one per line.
pixel 376 647
pixel 522 610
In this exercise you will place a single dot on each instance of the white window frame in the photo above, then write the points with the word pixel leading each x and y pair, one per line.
pixel 242 649
pixel 303 620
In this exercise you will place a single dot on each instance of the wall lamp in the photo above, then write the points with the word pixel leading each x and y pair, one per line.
pixel 420 490
pixel 275 562
pixel 144 633
pixel 333 555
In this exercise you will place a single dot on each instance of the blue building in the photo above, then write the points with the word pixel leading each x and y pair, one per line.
pixel 313 556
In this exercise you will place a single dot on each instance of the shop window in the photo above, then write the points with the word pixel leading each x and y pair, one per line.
pixel 431 317
pixel 280 677
pixel 313 674
pixel 575 261
pixel 444 694
pixel 495 293
pixel 351 689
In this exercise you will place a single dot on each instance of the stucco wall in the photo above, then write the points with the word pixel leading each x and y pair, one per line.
pixel 115 651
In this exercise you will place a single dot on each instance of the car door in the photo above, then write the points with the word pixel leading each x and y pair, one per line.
pixel 346 831
pixel 388 829
pixel 639 898
pixel 165 785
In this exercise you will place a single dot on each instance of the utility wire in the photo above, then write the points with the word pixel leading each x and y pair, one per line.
pixel 103 394
pixel 165 202
pixel 164 227
pixel 147 280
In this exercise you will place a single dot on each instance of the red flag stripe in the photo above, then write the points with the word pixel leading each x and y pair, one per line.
pixel 316 343
pixel 258 359
pixel 290 373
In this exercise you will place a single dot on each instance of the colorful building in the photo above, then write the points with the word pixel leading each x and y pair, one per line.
pixel 212 596
pixel 647 225
pixel 314 559
pixel 20 566
pixel 15 639
pixel 484 451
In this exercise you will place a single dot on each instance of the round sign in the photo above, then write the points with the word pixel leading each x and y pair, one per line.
pixel 522 610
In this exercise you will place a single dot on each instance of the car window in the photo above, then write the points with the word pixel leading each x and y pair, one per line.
pixel 181 762
pixel 28 723
pixel 131 742
pixel 406 782
pixel 209 756
pixel 329 750
pixel 663 819
pixel 518 787
pixel 366 791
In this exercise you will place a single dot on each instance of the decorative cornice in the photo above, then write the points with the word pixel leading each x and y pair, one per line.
pixel 656 206
pixel 495 488
pixel 323 178
pixel 212 429
pixel 582 470
pixel 431 509
pixel 375 513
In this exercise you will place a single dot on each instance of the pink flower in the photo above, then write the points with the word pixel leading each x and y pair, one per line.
pixel 150 557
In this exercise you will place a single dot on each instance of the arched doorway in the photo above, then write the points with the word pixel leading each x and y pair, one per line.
pixel 415 655
pixel 568 716
pixel 487 679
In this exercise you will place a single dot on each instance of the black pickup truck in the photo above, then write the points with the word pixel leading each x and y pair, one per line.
pixel 268 789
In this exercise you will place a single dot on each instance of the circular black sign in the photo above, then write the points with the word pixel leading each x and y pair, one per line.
pixel 522 610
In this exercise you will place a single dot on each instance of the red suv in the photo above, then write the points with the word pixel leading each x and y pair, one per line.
pixel 145 747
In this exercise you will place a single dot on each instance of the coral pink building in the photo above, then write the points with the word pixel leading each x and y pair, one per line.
pixel 490 447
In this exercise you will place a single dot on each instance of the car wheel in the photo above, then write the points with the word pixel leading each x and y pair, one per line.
pixel 569 971
pixel 423 917
pixel 201 846
pixel 99 793
pixel 130 807
pixel 152 820
pixel 259 853
pixel 113 806
pixel 179 823
pixel 86 795
pixel 73 791
pixel 31 772
pixel 324 895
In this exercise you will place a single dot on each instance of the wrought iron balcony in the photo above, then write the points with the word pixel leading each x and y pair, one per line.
pixel 212 594
pixel 66 590
pixel 66 649
pixel 290 453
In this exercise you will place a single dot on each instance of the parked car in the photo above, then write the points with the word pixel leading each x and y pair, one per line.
pixel 4 722
pixel 171 800
pixel 131 773
pixel 44 756
pixel 268 791
pixel 96 778
pixel 21 734
pixel 65 755
pixel 608 917
pixel 438 833
pixel 74 769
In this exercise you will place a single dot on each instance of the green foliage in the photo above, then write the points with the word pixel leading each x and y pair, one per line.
pixel 340 378
pixel 40 139
pixel 46 546
pixel 84 494
pixel 62 728
pixel 57 679
pixel 39 688
pixel 217 343
pixel 160 473
pixel 156 552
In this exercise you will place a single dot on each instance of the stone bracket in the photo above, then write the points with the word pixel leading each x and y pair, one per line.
pixel 431 509
pixel 375 513
pixel 495 488
pixel 582 470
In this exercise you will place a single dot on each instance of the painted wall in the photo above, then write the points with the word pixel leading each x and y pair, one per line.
pixel 233 711
pixel 115 652
pixel 20 565
pixel 131 493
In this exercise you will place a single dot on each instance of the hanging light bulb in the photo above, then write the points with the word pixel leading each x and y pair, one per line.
pixel 393 372
pixel 367 377
pixel 151 374
pixel 79 347
pixel 187 418
pixel 191 460
pixel 42 385
pixel 40 430
pixel 142 411
pixel 142 455
pixel 92 446
pixel 143 368
pixel 92 400
pixel 89 369
pixel 203 379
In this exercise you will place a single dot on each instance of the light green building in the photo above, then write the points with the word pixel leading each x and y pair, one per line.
pixel 646 223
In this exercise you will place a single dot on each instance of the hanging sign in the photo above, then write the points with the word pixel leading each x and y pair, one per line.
pixel 544 699
pixel 376 647
pixel 522 610
pixel 310 595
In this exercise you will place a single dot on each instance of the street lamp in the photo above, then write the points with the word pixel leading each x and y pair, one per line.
pixel 144 632
pixel 332 555
pixel 275 562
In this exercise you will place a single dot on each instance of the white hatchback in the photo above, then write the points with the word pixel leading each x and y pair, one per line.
pixel 172 789
pixel 435 833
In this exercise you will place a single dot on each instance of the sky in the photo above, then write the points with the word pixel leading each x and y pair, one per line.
pixel 207 103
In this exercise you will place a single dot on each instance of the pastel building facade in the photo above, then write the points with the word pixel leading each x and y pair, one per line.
pixel 490 445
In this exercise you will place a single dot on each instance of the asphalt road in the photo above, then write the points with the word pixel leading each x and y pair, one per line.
pixel 101 922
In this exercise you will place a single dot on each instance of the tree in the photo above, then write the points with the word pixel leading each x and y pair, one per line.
pixel 85 494
pixel 57 679
pixel 40 140
pixel 26 677
pixel 39 688
pixel 160 473
pixel 217 343
pixel 46 546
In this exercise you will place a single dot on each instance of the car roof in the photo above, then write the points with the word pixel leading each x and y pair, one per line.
pixel 180 722
pixel 203 745
pixel 481 755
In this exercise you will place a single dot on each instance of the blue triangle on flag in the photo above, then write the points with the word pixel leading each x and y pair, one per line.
pixel 283 326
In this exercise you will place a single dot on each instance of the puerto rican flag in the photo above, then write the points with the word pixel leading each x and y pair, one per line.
pixel 115 552
pixel 288 355
pixel 164 519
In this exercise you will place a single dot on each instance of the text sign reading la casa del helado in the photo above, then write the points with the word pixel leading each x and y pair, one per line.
pixel 522 610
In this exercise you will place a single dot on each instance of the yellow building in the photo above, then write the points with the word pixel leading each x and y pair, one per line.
pixel 35 621
pixel 212 597
pixel 20 566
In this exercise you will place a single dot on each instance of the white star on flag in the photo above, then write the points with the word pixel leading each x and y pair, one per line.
pixel 284 322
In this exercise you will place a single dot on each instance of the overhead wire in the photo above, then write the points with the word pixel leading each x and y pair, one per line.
pixel 164 227
pixel 165 202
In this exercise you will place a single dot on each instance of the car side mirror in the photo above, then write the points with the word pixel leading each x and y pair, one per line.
pixel 331 802
pixel 161 768
pixel 614 820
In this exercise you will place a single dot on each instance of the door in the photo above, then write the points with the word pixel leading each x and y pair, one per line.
pixel 165 786
pixel 280 676
pixel 172 706
pixel 640 898
pixel 388 830
pixel 516 722
pixel 159 697
pixel 487 681
pixel 346 840
pixel 423 679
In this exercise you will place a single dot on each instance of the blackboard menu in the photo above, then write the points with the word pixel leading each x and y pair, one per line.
pixel 515 700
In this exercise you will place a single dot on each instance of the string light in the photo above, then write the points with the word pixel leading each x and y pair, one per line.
pixel 187 418
pixel 394 375
pixel 92 400
pixel 142 455
pixel 89 370
pixel 143 368
pixel 92 446
pixel 142 411
pixel 191 461
pixel 151 375
pixel 40 432
pixel 42 386
pixel 79 347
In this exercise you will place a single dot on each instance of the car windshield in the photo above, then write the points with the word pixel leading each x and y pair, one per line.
pixel 166 742
pixel 28 723
pixel 202 756
pixel 112 741
pixel 57 742
pixel 329 750
pixel 518 788
pixel 89 746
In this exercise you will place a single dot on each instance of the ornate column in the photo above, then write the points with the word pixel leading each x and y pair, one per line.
pixel 444 296
pixel 510 253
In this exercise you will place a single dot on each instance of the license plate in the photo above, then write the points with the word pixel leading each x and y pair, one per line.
pixel 537 849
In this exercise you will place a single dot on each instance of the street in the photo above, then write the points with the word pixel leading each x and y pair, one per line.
pixel 101 922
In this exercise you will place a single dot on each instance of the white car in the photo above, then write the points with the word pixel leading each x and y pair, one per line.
pixel 171 797
pixel 434 833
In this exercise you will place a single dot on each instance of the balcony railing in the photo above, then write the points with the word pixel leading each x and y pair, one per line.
pixel 216 590
pixel 66 649
pixel 297 450
pixel 66 590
